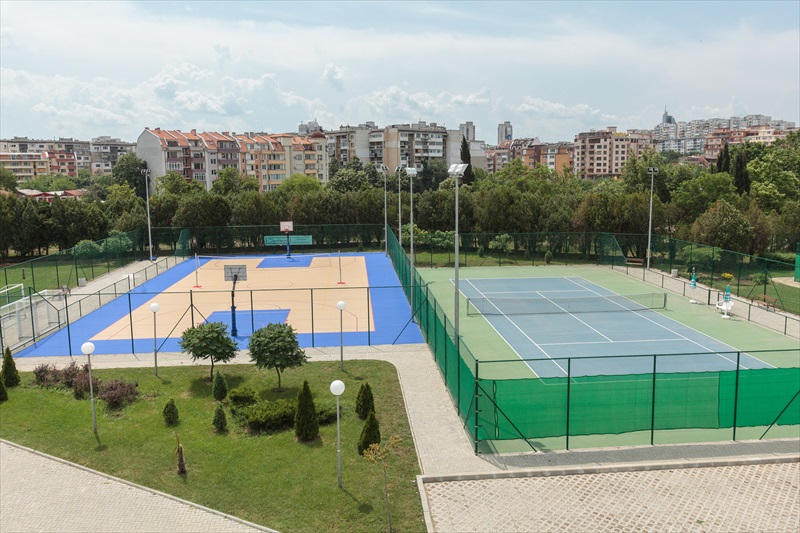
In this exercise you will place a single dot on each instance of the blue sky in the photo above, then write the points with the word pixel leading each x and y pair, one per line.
pixel 553 69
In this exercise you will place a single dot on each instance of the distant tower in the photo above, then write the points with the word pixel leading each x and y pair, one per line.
pixel 666 118
pixel 504 132
pixel 467 131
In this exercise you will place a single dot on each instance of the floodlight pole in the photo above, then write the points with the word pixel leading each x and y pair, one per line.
pixel 457 171
pixel 146 173
pixel 652 171
pixel 411 172
pixel 399 210
pixel 385 217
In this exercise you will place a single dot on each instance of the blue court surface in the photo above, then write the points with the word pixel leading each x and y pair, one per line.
pixel 389 311
pixel 552 319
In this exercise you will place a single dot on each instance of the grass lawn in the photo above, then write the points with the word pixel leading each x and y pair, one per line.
pixel 269 479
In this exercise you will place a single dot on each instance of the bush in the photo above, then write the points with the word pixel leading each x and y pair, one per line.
pixel 269 416
pixel 242 397
pixel 548 257
pixel 306 424
pixel 47 375
pixel 80 384
pixel 3 391
pixel 70 372
pixel 117 393
pixel 220 420
pixel 9 371
pixel 326 411
pixel 364 401
pixel 370 434
pixel 220 387
pixel 170 413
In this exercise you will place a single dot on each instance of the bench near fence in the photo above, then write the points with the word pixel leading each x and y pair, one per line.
pixel 634 261
pixel 764 300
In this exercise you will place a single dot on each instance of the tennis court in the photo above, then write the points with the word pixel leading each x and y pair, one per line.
pixel 547 320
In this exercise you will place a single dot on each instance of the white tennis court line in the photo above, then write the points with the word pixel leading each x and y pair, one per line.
pixel 576 318
pixel 520 330
pixel 494 293
pixel 611 342
pixel 671 330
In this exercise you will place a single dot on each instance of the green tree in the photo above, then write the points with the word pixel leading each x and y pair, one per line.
pixel 299 184
pixel 723 226
pixel 694 197
pixel 219 390
pixel 62 183
pixel 121 199
pixel 128 171
pixel 3 391
pixel 171 183
pixel 469 177
pixel 433 173
pixel 202 209
pixel 8 180
pixel 209 341
pixel 170 413
pixel 724 159
pixel 365 403
pixel 230 181
pixel 306 422
pixel 370 433
pixel 8 206
pixel 220 421
pixel 334 166
pixel 276 346
pixel 741 177
pixel 9 371
pixel 348 179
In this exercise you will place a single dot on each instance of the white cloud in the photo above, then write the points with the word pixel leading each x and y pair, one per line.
pixel 334 76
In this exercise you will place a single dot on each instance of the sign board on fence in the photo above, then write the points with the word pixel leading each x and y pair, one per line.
pixel 280 240
pixel 239 271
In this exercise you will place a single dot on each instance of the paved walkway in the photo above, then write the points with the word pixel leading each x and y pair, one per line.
pixel 748 486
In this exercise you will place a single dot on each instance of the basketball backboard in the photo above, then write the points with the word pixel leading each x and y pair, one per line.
pixel 287 226
pixel 239 271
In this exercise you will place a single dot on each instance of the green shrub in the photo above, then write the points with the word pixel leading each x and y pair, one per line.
pixel 370 434
pixel 364 401
pixel 326 411
pixel 80 384
pixel 220 420
pixel 3 391
pixel 242 397
pixel 306 424
pixel 170 413
pixel 9 371
pixel 269 416
pixel 548 257
pixel 47 375
pixel 220 388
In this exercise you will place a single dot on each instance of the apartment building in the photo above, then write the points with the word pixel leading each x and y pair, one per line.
pixel 105 152
pixel 26 165
pixel 505 132
pixel 558 156
pixel 67 155
pixel 601 154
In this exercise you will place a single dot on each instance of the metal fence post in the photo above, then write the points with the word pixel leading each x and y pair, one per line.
pixel 312 318
pixel 66 316
pixel 653 404
pixel 130 317
pixel 369 326
pixel 736 395
pixel 477 388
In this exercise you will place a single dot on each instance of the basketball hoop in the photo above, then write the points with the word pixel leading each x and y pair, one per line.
pixel 287 226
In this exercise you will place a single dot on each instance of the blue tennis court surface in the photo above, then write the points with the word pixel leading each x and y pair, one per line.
pixel 552 319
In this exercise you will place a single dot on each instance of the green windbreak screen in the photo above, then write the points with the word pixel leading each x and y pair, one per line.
pixel 763 394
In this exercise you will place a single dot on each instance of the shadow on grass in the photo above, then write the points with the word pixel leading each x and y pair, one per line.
pixel 363 507
pixel 286 393
pixel 200 388
pixel 233 381
pixel 100 446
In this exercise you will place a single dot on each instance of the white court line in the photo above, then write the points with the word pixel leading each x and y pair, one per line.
pixel 672 331
pixel 601 342
pixel 531 292
pixel 575 317
pixel 520 330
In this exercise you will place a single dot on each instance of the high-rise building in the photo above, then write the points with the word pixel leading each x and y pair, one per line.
pixel 600 154
pixel 504 132
pixel 467 131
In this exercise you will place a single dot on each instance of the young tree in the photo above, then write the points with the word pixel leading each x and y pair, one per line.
pixel 741 178
pixel 306 423
pixel 128 171
pixel 276 346
pixel 724 159
pixel 370 434
pixel 10 374
pixel 209 341
pixel 170 413
pixel 8 180
pixel 220 420
pixel 220 388
pixel 365 403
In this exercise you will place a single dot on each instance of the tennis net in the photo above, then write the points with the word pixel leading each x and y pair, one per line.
pixel 582 304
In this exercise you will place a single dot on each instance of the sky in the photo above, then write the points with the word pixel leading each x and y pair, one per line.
pixel 553 69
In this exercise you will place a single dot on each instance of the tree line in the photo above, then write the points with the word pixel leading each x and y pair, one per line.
pixel 748 202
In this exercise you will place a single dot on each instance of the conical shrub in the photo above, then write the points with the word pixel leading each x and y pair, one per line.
pixel 9 371
pixel 170 413
pixel 364 401
pixel 220 420
pixel 220 387
pixel 371 434
pixel 306 423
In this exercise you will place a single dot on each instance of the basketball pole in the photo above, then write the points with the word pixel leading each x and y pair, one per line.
pixel 340 269
pixel 234 331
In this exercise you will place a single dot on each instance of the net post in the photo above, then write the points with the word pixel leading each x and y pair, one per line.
pixel 653 404
pixel 191 305
pixel 736 394
pixel 665 299
pixel 569 385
